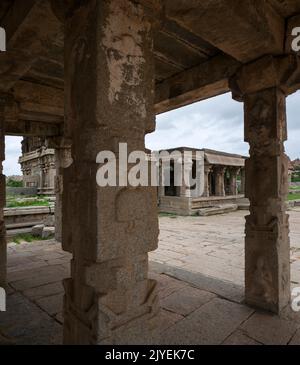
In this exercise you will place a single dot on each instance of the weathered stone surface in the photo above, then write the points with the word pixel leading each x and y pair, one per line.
pixel 227 26
pixel 110 68
pixel 27 280
pixel 109 298
pixel 168 319
pixel 269 330
pixel 267 242
pixel 49 221
pixel 37 231
pixel 43 312
pixel 296 339
pixel 51 304
pixel 221 209
pixel 25 323
pixel 48 232
pixel 44 290
pixel 186 300
pixel 238 338
pixel 211 324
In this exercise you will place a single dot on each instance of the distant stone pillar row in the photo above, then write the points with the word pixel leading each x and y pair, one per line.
pixel 109 86
pixel 3 248
pixel 263 87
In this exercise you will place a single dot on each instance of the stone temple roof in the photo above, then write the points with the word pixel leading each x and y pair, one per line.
pixel 205 150
pixel 214 157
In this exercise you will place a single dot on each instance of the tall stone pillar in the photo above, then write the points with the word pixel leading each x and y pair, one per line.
pixel 207 170
pixel 233 181
pixel 3 248
pixel 243 178
pixel 109 86
pixel 63 160
pixel 219 178
pixel 263 87
pixel 267 242
pixel 184 189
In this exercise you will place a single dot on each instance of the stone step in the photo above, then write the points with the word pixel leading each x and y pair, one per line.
pixel 218 209
pixel 15 232
pixel 21 225
pixel 243 206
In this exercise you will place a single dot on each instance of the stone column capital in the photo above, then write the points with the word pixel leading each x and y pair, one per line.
pixel 235 169
pixel 208 168
pixel 281 72
pixel 220 169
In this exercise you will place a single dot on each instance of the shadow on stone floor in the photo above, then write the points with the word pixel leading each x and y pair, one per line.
pixel 195 309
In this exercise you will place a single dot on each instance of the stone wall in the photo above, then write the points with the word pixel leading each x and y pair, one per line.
pixel 21 191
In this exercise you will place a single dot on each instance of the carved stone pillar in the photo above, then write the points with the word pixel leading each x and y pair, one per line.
pixel 109 86
pixel 63 160
pixel 233 180
pixel 263 86
pixel 3 249
pixel 207 170
pixel 219 178
pixel 243 178
pixel 267 241
pixel 184 190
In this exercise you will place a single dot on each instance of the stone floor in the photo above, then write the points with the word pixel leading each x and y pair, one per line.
pixel 199 268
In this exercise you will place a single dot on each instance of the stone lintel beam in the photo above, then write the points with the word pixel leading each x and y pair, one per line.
pixel 32 128
pixel 34 103
pixel 26 117
pixel 39 98
pixel 29 26
pixel 246 29
pixel 282 72
pixel 201 82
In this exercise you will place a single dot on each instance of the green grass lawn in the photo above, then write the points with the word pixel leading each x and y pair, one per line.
pixel 16 201
pixel 169 215
pixel 34 203
pixel 293 196
pixel 28 238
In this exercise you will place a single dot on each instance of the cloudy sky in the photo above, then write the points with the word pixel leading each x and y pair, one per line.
pixel 216 123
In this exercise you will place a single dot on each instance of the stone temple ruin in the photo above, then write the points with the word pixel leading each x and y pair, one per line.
pixel 220 183
pixel 88 75
pixel 38 166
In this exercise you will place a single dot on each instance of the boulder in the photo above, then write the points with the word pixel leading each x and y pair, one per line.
pixel 37 231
